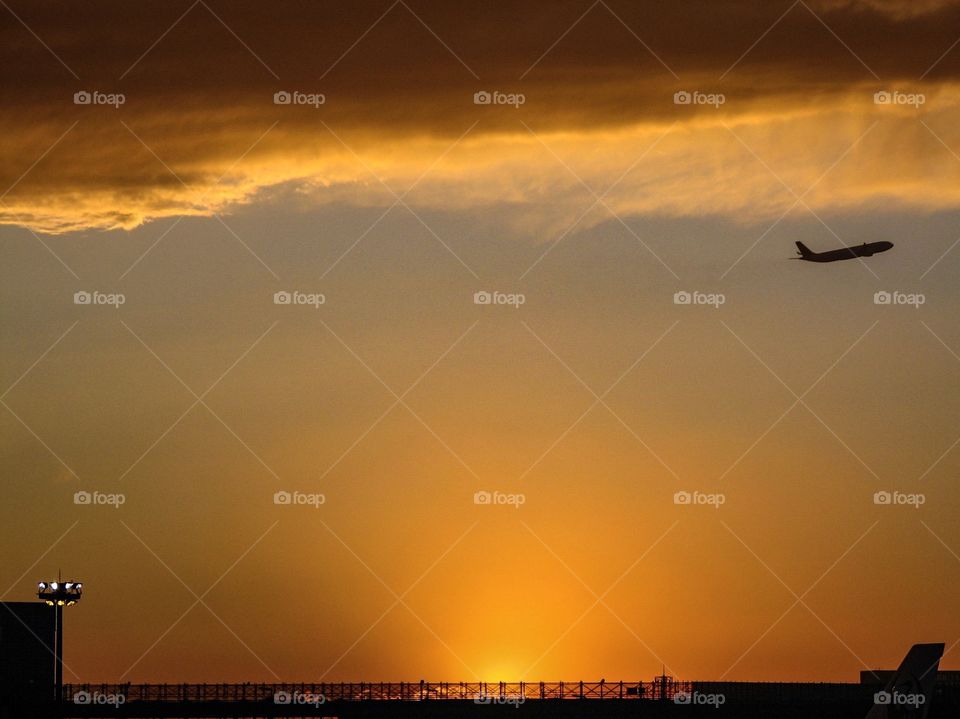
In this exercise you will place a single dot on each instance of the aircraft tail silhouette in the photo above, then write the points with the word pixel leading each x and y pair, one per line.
pixel 909 693
pixel 804 250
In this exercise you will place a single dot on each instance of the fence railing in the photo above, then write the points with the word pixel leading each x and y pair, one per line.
pixel 376 691
pixel 661 688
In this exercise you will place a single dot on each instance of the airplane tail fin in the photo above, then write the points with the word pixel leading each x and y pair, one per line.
pixel 909 693
pixel 803 250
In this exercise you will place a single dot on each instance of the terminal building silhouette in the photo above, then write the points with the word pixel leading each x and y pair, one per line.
pixel 27 636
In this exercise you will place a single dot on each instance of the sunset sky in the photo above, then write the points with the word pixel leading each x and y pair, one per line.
pixel 183 198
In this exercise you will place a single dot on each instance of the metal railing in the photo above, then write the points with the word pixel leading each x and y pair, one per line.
pixel 378 691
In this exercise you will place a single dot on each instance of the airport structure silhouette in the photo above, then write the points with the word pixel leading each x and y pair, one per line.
pixel 30 687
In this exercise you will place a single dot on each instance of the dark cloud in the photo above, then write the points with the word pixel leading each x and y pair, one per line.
pixel 416 48
pixel 199 78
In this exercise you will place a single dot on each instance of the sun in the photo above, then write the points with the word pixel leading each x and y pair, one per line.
pixel 501 671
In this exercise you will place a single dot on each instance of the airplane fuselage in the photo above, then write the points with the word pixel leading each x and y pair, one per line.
pixel 867 249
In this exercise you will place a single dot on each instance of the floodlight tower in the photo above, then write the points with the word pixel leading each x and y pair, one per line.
pixel 59 594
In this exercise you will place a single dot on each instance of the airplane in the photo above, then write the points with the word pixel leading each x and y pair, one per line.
pixel 847 253
pixel 910 691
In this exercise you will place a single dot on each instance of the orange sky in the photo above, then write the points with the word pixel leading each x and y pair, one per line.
pixel 198 397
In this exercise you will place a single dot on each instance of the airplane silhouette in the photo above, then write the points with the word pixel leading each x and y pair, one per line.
pixel 909 692
pixel 847 253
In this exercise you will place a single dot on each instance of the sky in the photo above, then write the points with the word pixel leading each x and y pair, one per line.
pixel 390 382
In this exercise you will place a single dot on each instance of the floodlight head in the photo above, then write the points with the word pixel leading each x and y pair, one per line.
pixel 60 594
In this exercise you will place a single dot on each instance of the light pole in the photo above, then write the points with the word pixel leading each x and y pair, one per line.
pixel 59 594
